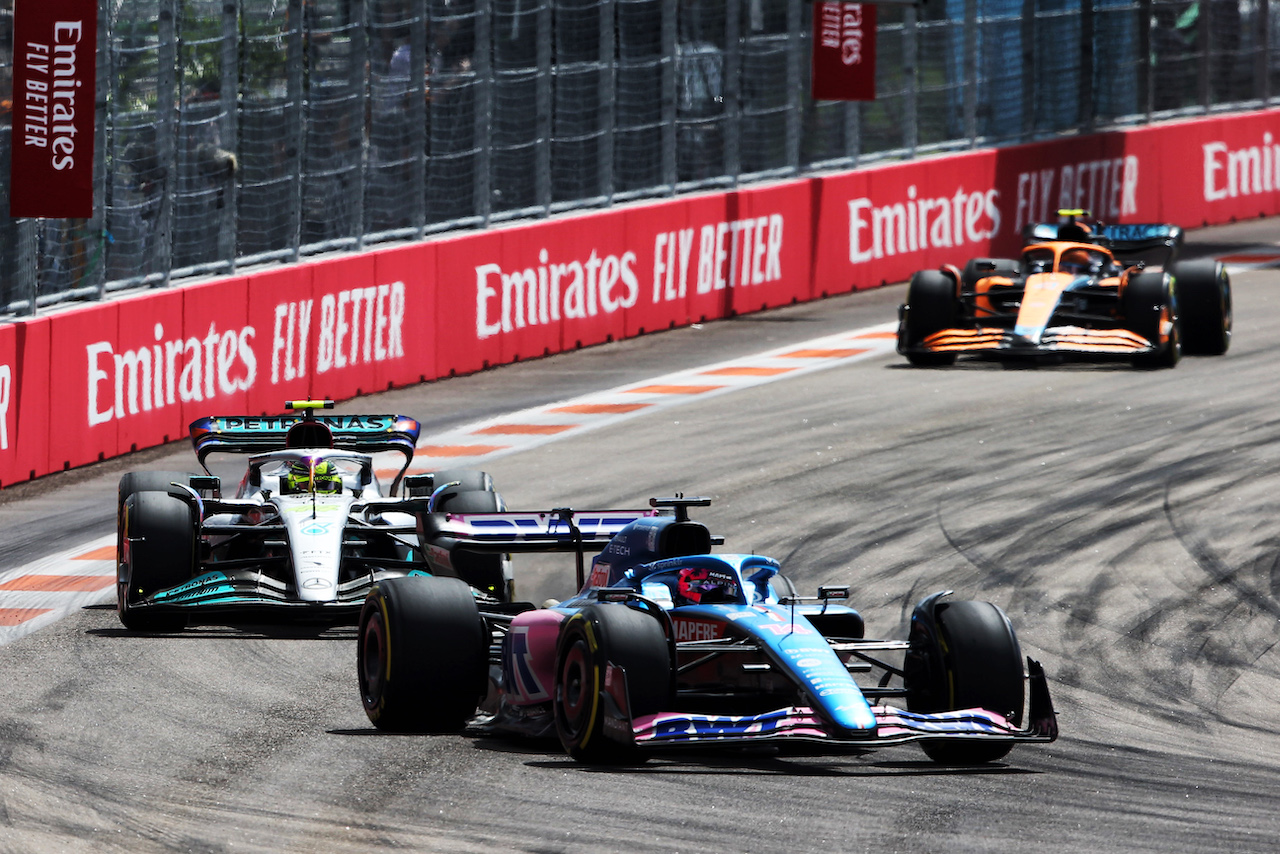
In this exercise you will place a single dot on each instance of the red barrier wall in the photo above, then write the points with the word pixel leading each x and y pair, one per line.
pixel 96 381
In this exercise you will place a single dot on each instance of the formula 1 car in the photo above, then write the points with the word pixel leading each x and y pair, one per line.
pixel 667 646
pixel 1080 289
pixel 307 534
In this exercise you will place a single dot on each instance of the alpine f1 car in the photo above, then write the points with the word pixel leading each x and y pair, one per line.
pixel 1080 289
pixel 667 645
pixel 309 531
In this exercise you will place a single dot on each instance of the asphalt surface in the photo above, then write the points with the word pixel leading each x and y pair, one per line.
pixel 1126 520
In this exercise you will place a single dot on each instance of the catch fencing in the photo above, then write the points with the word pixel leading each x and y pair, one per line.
pixel 236 132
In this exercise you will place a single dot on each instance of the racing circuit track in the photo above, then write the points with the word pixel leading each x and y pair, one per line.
pixel 1128 521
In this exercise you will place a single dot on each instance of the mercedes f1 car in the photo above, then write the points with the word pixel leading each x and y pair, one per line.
pixel 667 645
pixel 309 531
pixel 1080 289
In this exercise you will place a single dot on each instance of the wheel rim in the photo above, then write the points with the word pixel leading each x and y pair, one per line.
pixel 574 697
pixel 373 660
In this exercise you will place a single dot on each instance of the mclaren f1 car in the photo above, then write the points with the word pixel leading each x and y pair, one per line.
pixel 308 532
pixel 667 645
pixel 1081 289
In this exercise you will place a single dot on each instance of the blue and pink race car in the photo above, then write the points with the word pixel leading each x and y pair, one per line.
pixel 667 645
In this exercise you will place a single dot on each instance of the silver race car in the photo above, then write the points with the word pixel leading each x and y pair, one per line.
pixel 309 531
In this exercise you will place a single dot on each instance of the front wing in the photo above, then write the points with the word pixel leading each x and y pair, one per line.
pixel 239 596
pixel 800 723
pixel 1055 339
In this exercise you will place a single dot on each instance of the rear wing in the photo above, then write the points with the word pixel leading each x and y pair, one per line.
pixel 560 530
pixel 253 434
pixel 1122 239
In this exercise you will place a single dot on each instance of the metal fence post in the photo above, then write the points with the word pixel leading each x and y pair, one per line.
pixel 542 126
pixel 971 71
pixel 166 132
pixel 607 80
pixel 229 126
pixel 481 62
pixel 668 34
pixel 911 79
pixel 294 128
pixel 418 114
pixel 1030 67
pixel 359 82
pixel 1086 117
pixel 795 113
pixel 97 272
pixel 733 91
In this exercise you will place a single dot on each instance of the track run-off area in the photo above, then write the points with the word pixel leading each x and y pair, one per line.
pixel 1127 521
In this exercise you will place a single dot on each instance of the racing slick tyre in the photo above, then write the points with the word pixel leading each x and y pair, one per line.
pixel 1148 299
pixel 973 662
pixel 590 641
pixel 422 654
pixel 157 542
pixel 1204 303
pixel 931 306
pixel 489 573
pixel 1006 267
pixel 466 480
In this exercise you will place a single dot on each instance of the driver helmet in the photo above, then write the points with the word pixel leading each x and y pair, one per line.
pixel 701 586
pixel 309 476
pixel 1075 261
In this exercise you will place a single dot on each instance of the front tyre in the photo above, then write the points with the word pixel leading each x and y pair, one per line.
pixel 590 641
pixel 969 659
pixel 1149 303
pixel 932 305
pixel 157 551
pixel 422 654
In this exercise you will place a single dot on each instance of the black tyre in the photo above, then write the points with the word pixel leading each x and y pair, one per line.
pixel 1148 300
pixel 590 641
pixel 490 573
pixel 974 661
pixel 157 551
pixel 932 305
pixel 980 268
pixel 466 480
pixel 1204 305
pixel 144 481
pixel 423 655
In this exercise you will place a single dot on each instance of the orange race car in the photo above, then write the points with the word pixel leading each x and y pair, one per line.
pixel 1080 289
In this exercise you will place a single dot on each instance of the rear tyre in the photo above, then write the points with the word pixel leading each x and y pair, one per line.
pixel 591 640
pixel 157 547
pixel 489 573
pixel 932 305
pixel 1148 301
pixel 422 655
pixel 974 662
pixel 466 480
pixel 1204 302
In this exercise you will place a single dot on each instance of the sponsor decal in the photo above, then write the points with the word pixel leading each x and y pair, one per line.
pixel 915 224
pixel 439 556
pixel 844 52
pixel 276 423
pixel 359 326
pixel 697 630
pixel 786 629
pixel 6 383
pixel 315 529
pixel 599 575
pixel 519 665
pixel 1108 188
pixel 54 75
pixel 168 371
pixel 550 291
pixel 316 584
pixel 1249 171
pixel 736 253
